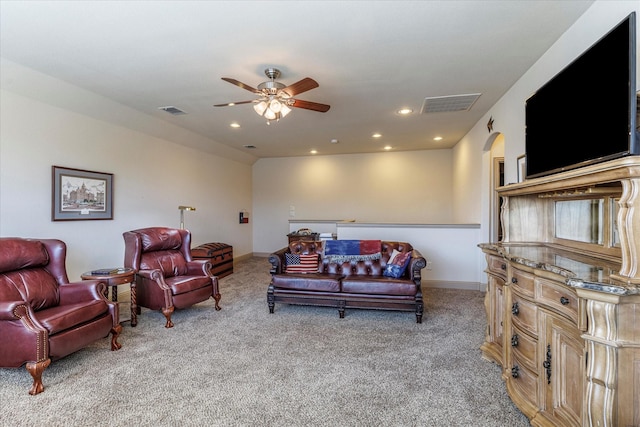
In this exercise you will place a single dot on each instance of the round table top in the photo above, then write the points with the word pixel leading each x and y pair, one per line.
pixel 108 273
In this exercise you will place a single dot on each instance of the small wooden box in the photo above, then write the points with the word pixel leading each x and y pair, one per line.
pixel 219 254
pixel 304 237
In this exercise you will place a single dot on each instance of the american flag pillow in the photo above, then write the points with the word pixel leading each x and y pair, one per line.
pixel 301 263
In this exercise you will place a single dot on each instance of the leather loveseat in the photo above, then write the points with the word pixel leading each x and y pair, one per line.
pixel 351 281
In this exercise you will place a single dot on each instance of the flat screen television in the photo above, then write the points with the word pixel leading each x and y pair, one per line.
pixel 587 113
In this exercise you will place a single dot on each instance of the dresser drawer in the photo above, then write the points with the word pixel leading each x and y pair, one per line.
pixel 524 314
pixel 525 381
pixel 561 298
pixel 497 265
pixel 523 282
pixel 525 348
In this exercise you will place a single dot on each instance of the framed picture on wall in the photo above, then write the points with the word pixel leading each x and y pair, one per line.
pixel 522 167
pixel 81 195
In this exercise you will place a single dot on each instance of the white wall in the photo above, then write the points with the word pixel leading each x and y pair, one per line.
pixel 152 176
pixel 450 250
pixel 404 187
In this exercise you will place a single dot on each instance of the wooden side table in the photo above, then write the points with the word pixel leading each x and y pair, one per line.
pixel 114 277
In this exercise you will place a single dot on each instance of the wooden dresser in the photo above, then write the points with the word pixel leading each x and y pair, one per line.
pixel 563 296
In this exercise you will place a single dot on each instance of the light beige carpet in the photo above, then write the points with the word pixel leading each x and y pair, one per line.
pixel 301 366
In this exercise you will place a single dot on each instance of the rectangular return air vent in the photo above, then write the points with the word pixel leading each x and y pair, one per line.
pixel 172 110
pixel 442 104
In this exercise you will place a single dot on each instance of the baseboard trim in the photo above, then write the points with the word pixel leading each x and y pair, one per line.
pixel 262 254
pixel 243 257
pixel 469 286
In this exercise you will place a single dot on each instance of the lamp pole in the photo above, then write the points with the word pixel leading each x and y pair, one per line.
pixel 182 209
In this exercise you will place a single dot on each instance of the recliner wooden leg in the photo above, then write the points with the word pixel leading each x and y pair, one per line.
pixel 115 332
pixel 217 298
pixel 36 369
pixel 168 311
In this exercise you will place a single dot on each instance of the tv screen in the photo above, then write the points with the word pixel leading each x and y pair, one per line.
pixel 587 113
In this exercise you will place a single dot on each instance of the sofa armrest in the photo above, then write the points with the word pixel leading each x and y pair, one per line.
pixel 277 260
pixel 417 263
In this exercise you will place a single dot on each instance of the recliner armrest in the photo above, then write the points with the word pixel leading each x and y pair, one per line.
pixel 154 275
pixel 21 310
pixel 7 309
pixel 199 267
pixel 87 290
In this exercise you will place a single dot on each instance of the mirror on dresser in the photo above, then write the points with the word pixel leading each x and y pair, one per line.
pixel 580 220
pixel 587 220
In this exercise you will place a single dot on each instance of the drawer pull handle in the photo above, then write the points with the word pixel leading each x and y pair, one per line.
pixel 547 364
pixel 515 309
pixel 564 300
pixel 515 371
pixel 503 266
pixel 514 340
pixel 514 280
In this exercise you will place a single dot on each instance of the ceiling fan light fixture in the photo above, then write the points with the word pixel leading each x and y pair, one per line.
pixel 284 111
pixel 260 107
pixel 275 99
pixel 275 105
pixel 270 115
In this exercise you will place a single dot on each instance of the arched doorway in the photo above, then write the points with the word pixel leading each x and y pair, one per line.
pixel 495 146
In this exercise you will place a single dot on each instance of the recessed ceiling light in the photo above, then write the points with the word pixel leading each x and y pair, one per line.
pixel 387 147
pixel 314 151
pixel 334 141
pixel 404 111
pixel 235 125
pixel 376 135
pixel 437 138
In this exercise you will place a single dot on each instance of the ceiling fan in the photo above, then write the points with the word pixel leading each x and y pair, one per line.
pixel 275 99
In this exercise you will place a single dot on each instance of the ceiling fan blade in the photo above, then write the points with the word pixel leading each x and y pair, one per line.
pixel 229 104
pixel 301 86
pixel 323 108
pixel 240 84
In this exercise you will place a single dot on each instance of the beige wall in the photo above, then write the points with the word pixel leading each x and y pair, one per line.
pixel 395 187
pixel 151 177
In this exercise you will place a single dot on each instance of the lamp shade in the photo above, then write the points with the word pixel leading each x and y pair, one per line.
pixel 269 114
pixel 260 107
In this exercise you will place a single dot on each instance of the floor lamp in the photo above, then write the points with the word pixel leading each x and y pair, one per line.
pixel 182 209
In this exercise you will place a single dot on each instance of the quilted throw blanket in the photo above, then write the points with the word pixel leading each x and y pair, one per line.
pixel 352 250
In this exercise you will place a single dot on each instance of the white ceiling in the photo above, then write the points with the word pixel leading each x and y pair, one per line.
pixel 369 57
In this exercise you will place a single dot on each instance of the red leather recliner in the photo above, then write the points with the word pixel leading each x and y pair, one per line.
pixel 43 317
pixel 166 276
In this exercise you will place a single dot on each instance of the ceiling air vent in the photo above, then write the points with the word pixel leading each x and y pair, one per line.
pixel 250 147
pixel 172 110
pixel 443 104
